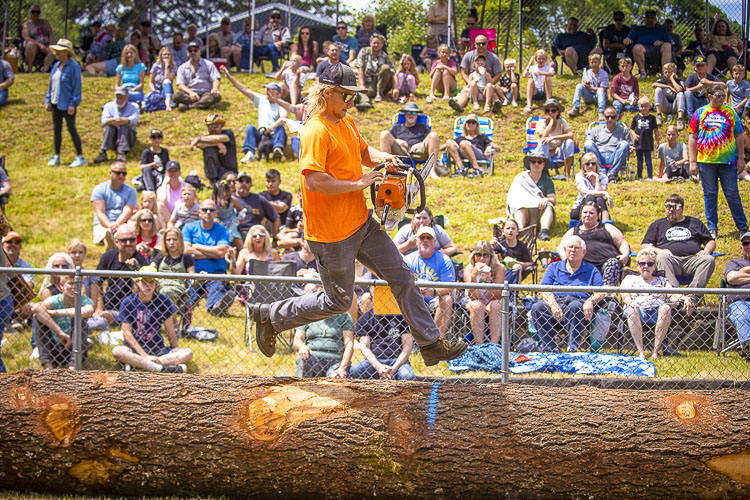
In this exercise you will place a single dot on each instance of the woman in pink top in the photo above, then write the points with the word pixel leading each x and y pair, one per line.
pixel 443 74
pixel 306 47
pixel 170 190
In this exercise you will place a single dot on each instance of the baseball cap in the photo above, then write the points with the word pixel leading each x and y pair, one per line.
pixel 273 86
pixel 426 230
pixel 194 44
pixel 650 12
pixel 744 236
pixel 471 118
pixel 121 91
pixel 699 60
pixel 146 269
pixel 342 76
pixel 155 132
pixel 242 175
pixel 173 164
pixel 12 235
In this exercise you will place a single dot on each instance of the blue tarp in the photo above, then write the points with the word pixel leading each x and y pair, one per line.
pixel 488 357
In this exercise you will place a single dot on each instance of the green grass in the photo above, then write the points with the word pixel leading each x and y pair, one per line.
pixel 50 205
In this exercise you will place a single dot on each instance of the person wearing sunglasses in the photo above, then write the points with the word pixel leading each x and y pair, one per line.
pixel 683 246
pixel 410 138
pixel 51 283
pixel 471 23
pixel 531 196
pixel 493 69
pixel 555 136
pixel 113 202
pixel 737 275
pixel 271 40
pixel 715 145
pixel 332 154
pixel 610 143
pixel 37 35
pixel 592 186
pixel 647 307
pixel 348 45
pixel 197 81
pixel 612 39
pixel 257 246
pixel 484 305
pixel 376 73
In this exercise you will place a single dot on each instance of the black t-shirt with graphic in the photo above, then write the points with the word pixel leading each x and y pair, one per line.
pixel 644 126
pixel 384 331
pixel 682 239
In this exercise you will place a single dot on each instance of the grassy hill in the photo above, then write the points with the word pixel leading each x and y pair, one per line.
pixel 50 205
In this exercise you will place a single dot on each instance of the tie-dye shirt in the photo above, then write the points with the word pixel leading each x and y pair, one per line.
pixel 716 128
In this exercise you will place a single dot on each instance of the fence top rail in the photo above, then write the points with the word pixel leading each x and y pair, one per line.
pixel 374 282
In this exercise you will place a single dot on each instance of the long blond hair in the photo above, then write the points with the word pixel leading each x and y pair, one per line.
pixel 124 51
pixel 316 100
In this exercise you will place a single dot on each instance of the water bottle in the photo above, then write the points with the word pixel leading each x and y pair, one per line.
pixel 631 98
pixel 242 214
pixel 157 160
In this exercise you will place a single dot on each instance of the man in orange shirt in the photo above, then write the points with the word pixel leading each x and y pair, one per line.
pixel 339 227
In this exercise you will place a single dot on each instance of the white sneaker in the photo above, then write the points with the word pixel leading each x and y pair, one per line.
pixel 34 354
pixel 249 156
pixel 506 102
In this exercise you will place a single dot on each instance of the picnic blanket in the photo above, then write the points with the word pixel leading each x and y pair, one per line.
pixel 488 357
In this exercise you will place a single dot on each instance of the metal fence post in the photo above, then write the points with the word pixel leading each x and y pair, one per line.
pixel 505 332
pixel 77 326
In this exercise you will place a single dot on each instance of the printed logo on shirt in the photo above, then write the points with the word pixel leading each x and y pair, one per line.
pixel 714 121
pixel 256 211
pixel 678 234
pixel 427 274
pixel 394 329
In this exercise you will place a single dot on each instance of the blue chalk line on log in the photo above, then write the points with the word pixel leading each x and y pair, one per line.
pixel 432 409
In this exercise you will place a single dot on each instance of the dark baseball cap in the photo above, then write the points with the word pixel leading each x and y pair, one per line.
pixel 194 44
pixel 173 164
pixel 342 76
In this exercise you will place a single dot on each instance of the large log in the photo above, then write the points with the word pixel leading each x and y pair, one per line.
pixel 157 434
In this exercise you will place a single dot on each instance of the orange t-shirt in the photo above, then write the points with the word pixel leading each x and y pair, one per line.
pixel 336 149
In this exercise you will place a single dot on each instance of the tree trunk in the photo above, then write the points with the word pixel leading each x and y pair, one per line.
pixel 141 434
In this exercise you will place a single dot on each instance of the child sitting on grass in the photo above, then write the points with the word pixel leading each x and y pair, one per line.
pixel 592 89
pixel 673 159
pixel 407 77
pixel 508 85
pixel 642 130
pixel 478 85
pixel 739 92
pixel 670 96
pixel 624 88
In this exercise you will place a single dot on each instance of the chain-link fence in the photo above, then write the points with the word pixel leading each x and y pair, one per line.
pixel 552 334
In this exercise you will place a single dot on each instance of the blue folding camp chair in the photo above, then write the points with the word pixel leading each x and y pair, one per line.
pixel 532 141
pixel 486 127
pixel 627 172
pixel 399 118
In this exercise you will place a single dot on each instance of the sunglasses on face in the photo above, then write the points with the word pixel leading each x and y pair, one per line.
pixel 244 181
pixel 619 19
pixel 646 264
pixel 479 44
pixel 207 210
pixel 147 220
pixel 610 117
pixel 483 255
pixel 275 17
pixel 346 97
pixel 340 27
pixel 470 24
pixel 720 95
pixel 118 172
pixel 13 242
pixel 536 162
pixel 259 236
pixel 555 110
pixel 589 163
pixel 673 206
pixel 126 240
pixel 745 243
pixel 156 137
pixel 60 266
pixel 304 33
pixel 410 113
pixel 36 11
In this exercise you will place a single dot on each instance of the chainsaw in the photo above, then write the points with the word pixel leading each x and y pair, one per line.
pixel 400 193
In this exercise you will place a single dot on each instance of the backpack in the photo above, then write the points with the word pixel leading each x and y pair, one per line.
pixel 154 101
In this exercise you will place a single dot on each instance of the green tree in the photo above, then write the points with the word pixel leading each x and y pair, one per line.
pixel 406 20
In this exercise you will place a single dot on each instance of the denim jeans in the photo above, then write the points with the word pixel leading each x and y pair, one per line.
pixel 573 321
pixel 364 370
pixel 252 137
pixel 620 107
pixel 269 50
pixel 692 103
pixel 294 141
pixel 135 96
pixel 215 291
pixel 373 248
pixel 739 315
pixel 600 98
pixel 3 97
pixel 313 367
pixel 6 308
pixel 615 159
pixel 711 175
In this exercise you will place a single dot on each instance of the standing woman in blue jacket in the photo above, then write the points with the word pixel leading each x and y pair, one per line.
pixel 63 97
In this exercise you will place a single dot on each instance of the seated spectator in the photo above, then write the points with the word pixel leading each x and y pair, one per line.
pixel 169 191
pixel 645 133
pixel 593 87
pixel 737 275
pixel 571 309
pixel 150 41
pixel 348 45
pixel 683 246
pixel 508 87
pixel 192 32
pixel 531 197
pixel 376 73
pixel 305 47
pixel 55 318
pixel 291 238
pixel 479 88
pixel 185 209
pixel 324 348
pixel 113 202
pixel 293 75
pixel 37 35
pixel 257 247
pixel 471 23
pixel 610 143
pixel 279 199
pixel 407 78
pixel 698 46
pixel 140 48
pixel 428 265
pixel 7 79
pixel 472 145
pixel 227 210
pixel 429 54
pixel 333 51
pixel 219 148
pixel 112 56
pixel 208 242
pixel 153 160
pixel 147 237
pixel 101 38
pixel 6 191
pixel 513 253
pixel 539 73
pixel 197 81
pixel 484 305
pixel 592 186
pixel 574 45
pixel 650 308
pixel 406 238
pixel 649 41
pixel 624 90
pixel 724 47
pixel 131 74
pixel 142 316
pixel 670 95
pixel 739 91
pixel 119 120
pixel 122 258
pixel 148 202
pixel 492 67
pixel 696 86
pixel 161 77
pixel 226 39
pixel 270 119
pixel 214 46
pixel 677 45
pixel 411 138
pixel 257 209
pixel 386 343
pixel 612 40
pixel 555 135
pixel 366 31
pixel 606 247
pixel 307 266
pixel 673 158
pixel 51 284
pixel 173 259
pixel 232 49
pixel 271 39
pixel 12 246
pixel 179 50
pixel 443 74
pixel 743 161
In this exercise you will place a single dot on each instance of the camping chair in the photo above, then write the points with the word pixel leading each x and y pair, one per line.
pixel 628 172
pixel 416 53
pixel 490 33
pixel 486 127
pixel 532 141
pixel 399 118
pixel 720 336
pixel 265 292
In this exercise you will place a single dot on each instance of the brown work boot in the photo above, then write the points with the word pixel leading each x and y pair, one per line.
pixel 265 333
pixel 442 350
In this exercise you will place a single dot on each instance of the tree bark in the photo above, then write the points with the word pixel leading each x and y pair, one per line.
pixel 141 434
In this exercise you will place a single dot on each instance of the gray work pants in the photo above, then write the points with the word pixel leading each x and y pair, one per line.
pixel 373 248
pixel 119 139
pixel 700 267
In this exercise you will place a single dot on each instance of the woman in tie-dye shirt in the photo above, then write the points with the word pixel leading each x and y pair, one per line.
pixel 715 138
